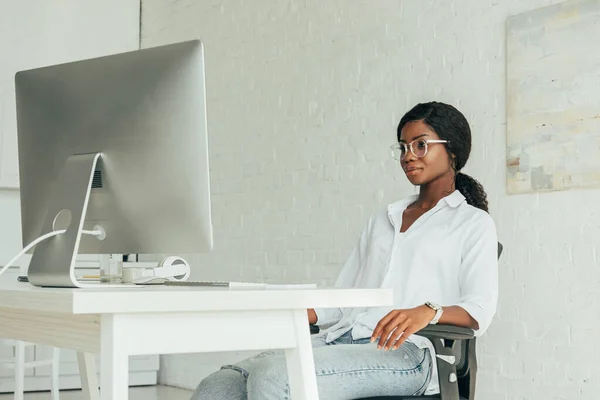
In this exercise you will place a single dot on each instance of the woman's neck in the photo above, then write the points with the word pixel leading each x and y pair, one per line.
pixel 431 193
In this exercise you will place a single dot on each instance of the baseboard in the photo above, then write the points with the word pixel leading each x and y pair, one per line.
pixel 42 383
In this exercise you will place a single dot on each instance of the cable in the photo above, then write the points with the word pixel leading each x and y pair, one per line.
pixel 41 239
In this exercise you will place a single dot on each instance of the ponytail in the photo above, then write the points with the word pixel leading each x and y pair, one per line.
pixel 472 190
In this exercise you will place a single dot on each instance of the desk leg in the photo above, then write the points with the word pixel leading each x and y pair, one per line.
pixel 114 359
pixel 89 377
pixel 19 370
pixel 300 361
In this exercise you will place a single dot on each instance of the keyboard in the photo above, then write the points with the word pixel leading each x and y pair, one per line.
pixel 215 284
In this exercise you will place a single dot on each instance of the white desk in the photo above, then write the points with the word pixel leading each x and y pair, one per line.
pixel 117 323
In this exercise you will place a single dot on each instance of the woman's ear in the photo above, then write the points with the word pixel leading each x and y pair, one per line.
pixel 452 160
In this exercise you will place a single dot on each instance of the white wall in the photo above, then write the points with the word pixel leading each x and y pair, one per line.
pixel 304 98
pixel 10 233
pixel 36 33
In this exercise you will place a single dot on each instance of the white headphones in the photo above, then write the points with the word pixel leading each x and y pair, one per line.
pixel 172 268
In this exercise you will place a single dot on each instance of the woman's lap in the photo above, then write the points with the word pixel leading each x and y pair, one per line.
pixel 344 371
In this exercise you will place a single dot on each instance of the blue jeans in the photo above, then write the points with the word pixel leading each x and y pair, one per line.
pixel 346 369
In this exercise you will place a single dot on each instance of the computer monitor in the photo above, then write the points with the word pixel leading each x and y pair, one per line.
pixel 118 142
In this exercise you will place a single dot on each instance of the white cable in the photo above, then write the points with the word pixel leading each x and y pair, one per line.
pixel 41 239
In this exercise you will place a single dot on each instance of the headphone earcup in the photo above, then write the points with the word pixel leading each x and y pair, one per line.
pixel 171 260
pixel 175 260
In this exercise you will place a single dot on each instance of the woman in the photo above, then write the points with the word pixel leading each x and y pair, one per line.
pixel 437 250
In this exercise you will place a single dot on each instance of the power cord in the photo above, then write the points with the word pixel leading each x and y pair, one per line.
pixel 96 232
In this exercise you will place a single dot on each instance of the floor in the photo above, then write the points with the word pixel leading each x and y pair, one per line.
pixel 137 393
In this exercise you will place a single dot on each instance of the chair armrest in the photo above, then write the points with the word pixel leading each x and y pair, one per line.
pixel 445 340
pixel 432 332
pixel 450 332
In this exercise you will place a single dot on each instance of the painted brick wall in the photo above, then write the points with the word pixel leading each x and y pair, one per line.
pixel 303 101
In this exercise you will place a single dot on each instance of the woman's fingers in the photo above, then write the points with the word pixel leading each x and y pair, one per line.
pixel 398 325
pixel 408 331
pixel 381 324
pixel 396 335
pixel 391 326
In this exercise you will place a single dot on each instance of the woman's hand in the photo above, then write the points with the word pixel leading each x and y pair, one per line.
pixel 398 325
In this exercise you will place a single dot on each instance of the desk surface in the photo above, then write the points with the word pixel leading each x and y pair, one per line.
pixel 154 299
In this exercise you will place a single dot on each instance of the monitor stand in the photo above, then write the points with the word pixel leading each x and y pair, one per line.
pixel 53 260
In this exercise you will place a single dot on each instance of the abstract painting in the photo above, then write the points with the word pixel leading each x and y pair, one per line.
pixel 553 98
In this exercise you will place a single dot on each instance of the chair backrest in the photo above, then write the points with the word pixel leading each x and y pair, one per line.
pixel 462 362
pixel 464 349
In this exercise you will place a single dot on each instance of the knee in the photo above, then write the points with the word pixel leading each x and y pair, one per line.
pixel 223 384
pixel 268 380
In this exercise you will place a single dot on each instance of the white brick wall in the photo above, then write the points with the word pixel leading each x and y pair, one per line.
pixel 55 33
pixel 304 98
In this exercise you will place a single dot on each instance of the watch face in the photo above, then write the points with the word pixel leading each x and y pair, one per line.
pixel 432 305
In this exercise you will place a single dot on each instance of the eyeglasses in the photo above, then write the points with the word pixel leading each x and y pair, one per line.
pixel 400 149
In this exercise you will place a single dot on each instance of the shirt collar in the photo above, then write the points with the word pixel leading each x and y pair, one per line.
pixel 454 200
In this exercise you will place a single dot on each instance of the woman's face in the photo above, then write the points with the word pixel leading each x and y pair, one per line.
pixel 433 165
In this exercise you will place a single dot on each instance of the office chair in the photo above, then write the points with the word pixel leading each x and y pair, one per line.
pixel 457 367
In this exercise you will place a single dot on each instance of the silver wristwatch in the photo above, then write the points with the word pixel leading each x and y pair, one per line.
pixel 438 312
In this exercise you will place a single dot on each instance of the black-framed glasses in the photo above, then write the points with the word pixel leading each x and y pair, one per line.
pixel 417 147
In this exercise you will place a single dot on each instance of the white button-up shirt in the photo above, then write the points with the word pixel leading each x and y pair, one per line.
pixel 448 256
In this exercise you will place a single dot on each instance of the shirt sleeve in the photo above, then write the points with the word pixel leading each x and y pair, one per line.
pixel 479 271
pixel 347 277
